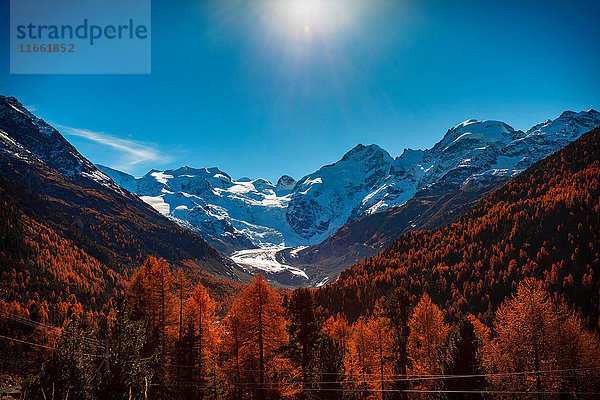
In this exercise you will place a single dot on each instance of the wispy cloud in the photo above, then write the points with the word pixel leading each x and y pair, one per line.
pixel 134 152
pixel 32 108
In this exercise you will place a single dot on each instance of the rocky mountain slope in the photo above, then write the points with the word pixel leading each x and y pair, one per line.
pixel 121 227
pixel 369 235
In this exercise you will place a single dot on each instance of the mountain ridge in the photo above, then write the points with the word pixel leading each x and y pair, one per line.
pixel 244 214
pixel 320 215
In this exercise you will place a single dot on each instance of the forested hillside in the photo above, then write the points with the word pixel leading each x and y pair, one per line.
pixel 544 224
pixel 164 339
pixel 88 204
pixel 52 272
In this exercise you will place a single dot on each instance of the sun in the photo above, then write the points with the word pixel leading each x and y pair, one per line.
pixel 321 17
pixel 307 12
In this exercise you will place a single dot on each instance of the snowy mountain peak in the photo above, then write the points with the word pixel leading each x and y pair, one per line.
pixel 11 108
pixel 362 152
pixel 464 123
pixel 324 200
pixel 591 113
pixel 569 123
pixel 478 131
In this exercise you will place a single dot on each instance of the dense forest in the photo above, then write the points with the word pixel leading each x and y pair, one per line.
pixel 503 303
pixel 48 265
pixel 50 272
pixel 163 338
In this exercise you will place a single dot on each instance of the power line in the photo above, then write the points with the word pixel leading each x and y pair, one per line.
pixel 421 378
pixel 234 386
pixel 412 377
pixel 53 329
pixel 26 342
pixel 43 346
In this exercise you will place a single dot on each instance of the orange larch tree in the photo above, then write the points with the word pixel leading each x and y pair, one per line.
pixel 428 333
pixel 536 335
pixel 203 314
pixel 255 333
pixel 339 329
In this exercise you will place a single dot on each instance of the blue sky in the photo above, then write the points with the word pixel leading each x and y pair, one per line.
pixel 258 90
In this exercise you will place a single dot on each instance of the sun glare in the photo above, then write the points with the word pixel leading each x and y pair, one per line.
pixel 307 12
pixel 320 17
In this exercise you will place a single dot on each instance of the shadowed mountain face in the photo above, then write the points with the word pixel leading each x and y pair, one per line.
pixel 35 155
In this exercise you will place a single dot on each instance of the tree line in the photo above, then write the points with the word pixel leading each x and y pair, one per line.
pixel 163 339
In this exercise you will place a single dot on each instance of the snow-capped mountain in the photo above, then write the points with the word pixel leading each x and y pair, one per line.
pixel 254 219
pixel 244 214
pixel 473 150
pixel 231 215
pixel 322 202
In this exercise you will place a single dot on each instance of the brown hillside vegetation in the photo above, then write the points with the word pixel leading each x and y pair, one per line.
pixel 544 224
pixel 163 340
pixel 50 273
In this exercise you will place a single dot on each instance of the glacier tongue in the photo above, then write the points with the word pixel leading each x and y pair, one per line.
pixel 253 219
pixel 264 260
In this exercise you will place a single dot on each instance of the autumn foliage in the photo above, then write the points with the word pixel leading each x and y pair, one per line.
pixel 501 304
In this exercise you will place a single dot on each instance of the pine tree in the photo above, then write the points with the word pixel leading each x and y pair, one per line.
pixel 303 334
pixel 330 367
pixel 256 335
pixel 200 314
pixel 234 348
pixel 69 372
pixel 182 286
pixel 537 334
pixel 150 295
pixel 463 359
pixel 339 329
pixel 382 353
pixel 524 326
pixel 427 336
pixel 185 359
pixel 396 310
pixel 123 372
pixel 361 360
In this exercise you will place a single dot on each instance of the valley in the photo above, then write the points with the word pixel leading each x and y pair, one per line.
pixel 248 218
pixel 301 200
pixel 479 246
